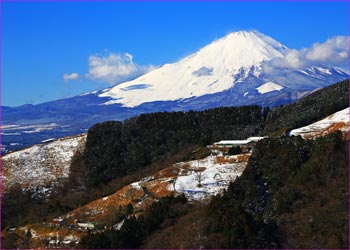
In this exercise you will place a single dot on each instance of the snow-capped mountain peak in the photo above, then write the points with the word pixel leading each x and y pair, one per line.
pixel 236 50
pixel 211 69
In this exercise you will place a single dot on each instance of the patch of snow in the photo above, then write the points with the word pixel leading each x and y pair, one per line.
pixel 30 128
pixel 136 185
pixel 118 226
pixel 89 93
pixel 34 233
pixel 304 72
pixel 38 168
pixel 324 71
pixel 72 238
pixel 111 102
pixel 209 179
pixel 269 87
pixel 9 126
pixel 16 133
pixel 256 138
pixel 48 140
pixel 340 116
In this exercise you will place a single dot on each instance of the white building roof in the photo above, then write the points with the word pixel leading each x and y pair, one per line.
pixel 231 142
pixel 239 142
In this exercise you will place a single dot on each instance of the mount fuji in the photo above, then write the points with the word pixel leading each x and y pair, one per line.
pixel 231 71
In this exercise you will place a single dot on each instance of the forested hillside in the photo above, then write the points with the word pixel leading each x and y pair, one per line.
pixel 309 109
pixel 117 149
pixel 293 194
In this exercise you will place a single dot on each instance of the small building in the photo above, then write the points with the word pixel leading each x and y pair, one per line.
pixel 66 242
pixel 54 243
pixel 231 143
pixel 11 229
pixel 57 222
pixel 86 225
pixel 246 145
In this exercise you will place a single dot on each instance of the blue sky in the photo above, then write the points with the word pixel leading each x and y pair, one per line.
pixel 42 42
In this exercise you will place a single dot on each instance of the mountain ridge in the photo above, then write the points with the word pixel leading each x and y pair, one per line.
pixel 239 57
pixel 227 72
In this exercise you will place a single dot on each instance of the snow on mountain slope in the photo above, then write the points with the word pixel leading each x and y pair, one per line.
pixel 337 121
pixel 197 180
pixel 210 70
pixel 229 71
pixel 269 87
pixel 40 167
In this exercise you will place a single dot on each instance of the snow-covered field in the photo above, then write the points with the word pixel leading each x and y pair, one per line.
pixel 205 178
pixel 198 180
pixel 39 167
pixel 337 121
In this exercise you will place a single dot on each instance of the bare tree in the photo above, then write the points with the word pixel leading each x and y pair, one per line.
pixel 199 178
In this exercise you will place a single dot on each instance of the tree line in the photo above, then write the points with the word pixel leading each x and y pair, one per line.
pixel 120 148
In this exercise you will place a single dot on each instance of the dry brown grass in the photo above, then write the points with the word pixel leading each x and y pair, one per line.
pixel 243 158
pixel 224 159
pixel 329 130
pixel 168 172
pixel 104 209
pixel 160 188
